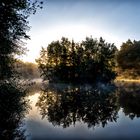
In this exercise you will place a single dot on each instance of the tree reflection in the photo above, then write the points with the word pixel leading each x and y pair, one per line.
pixel 12 110
pixel 129 99
pixel 68 104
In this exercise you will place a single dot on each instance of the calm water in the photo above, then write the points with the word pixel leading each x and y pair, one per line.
pixel 84 112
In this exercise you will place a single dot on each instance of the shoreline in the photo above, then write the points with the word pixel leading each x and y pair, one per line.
pixel 127 80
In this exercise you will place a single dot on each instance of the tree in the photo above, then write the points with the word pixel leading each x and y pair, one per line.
pixel 13 108
pixel 89 61
pixel 129 55
pixel 128 59
pixel 99 59
pixel 13 28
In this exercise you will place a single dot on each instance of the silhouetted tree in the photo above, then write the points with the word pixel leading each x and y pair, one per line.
pixel 13 107
pixel 99 60
pixel 129 55
pixel 13 27
pixel 89 61
pixel 128 59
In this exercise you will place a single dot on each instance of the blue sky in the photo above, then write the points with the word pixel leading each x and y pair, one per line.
pixel 114 20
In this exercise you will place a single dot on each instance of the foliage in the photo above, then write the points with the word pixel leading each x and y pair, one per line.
pixel 13 107
pixel 13 27
pixel 128 56
pixel 128 59
pixel 90 61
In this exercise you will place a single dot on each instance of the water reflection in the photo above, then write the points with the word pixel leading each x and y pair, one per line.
pixel 64 105
pixel 129 99
pixel 112 111
pixel 13 107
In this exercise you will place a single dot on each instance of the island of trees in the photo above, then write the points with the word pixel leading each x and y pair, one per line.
pixel 89 61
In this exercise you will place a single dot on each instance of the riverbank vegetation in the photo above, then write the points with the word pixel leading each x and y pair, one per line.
pixel 128 60
pixel 13 31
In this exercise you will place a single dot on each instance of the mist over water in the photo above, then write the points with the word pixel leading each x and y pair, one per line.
pixel 63 111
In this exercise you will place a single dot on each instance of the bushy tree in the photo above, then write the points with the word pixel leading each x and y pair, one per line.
pixel 90 61
pixel 99 60
pixel 129 55
pixel 128 59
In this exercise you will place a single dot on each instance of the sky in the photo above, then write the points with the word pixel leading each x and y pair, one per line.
pixel 114 20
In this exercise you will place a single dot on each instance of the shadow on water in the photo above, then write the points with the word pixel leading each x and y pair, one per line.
pixel 66 105
pixel 13 107
pixel 129 99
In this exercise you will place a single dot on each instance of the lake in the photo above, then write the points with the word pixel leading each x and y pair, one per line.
pixel 84 112
pixel 66 111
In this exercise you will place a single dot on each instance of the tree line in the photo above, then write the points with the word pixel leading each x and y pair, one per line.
pixel 89 61
pixel 128 59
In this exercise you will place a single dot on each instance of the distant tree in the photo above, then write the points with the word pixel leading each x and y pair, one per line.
pixel 128 60
pixel 67 61
pixel 129 55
